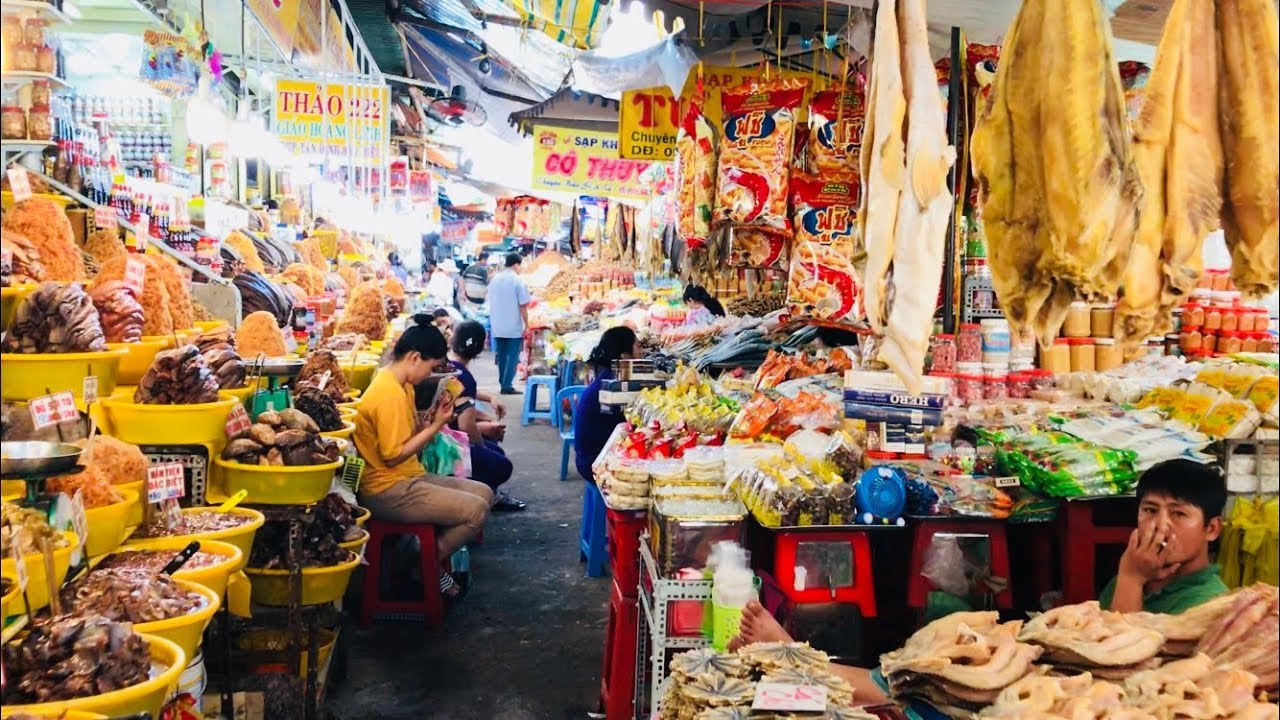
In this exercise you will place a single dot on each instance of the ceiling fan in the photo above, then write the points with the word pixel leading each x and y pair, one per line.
pixel 456 110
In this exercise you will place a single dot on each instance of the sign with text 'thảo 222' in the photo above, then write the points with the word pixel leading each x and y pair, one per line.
pixel 584 162
pixel 313 117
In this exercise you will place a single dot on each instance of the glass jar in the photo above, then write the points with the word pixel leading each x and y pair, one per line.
pixel 40 94
pixel 1101 318
pixel 969 343
pixel 33 32
pixel 46 59
pixel 1078 320
pixel 1190 340
pixel 1155 346
pixel 996 388
pixel 1106 354
pixel 1209 343
pixel 24 57
pixel 1082 354
pixel 1020 384
pixel 39 123
pixel 943 351
pixel 1229 342
pixel 13 123
pixel 1193 314
pixel 1249 343
pixel 11 32
pixel 1213 318
pixel 1171 345
pixel 1230 319
pixel 969 388
pixel 1057 357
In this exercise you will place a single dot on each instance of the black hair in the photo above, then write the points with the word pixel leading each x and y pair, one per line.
pixel 468 339
pixel 439 313
pixel 614 343
pixel 697 293
pixel 423 338
pixel 1189 481
pixel 513 259
pixel 394 258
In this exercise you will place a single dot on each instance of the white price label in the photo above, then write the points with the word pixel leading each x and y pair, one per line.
pixel 19 184
pixel 90 390
pixel 324 380
pixel 105 218
pixel 237 420
pixel 166 481
pixel 142 231
pixel 79 522
pixel 18 560
pixel 800 698
pixel 1006 482
pixel 135 275
pixel 49 410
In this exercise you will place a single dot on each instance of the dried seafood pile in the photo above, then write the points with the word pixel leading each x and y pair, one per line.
pixel 150 562
pixel 177 377
pixel 74 657
pixel 310 279
pixel 1085 637
pixel 218 347
pixel 287 437
pixel 322 372
pixel 706 685
pixel 119 311
pixel 29 527
pixel 331 521
pixel 47 228
pixel 55 318
pixel 759 306
pixel 395 297
pixel 128 596
pixel 104 244
pixel 345 342
pixel 365 312
pixel 192 523
pixel 93 484
pixel 24 260
pixel 258 294
pixel 318 406
pixel 260 334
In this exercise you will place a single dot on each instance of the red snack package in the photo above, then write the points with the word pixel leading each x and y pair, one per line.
pixel 823 282
pixel 836 119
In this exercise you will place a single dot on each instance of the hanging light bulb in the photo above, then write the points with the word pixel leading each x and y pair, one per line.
pixel 206 123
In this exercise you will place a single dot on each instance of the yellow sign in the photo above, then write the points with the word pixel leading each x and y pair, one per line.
pixel 648 119
pixel 280 20
pixel 584 162
pixel 322 45
pixel 313 117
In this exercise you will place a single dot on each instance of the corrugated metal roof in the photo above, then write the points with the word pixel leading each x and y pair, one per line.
pixel 379 34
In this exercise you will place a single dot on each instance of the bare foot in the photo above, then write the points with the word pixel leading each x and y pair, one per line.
pixel 757 626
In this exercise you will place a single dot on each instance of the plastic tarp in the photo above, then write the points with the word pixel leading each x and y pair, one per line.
pixel 665 63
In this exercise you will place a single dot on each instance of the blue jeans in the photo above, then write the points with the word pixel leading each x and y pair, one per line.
pixel 508 356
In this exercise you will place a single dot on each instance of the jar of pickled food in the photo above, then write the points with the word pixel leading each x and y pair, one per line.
pixel 39 123
pixel 1193 314
pixel 1101 318
pixel 46 59
pixel 11 32
pixel 40 93
pixel 24 57
pixel 943 351
pixel 1230 319
pixel 1229 342
pixel 1078 320
pixel 1249 343
pixel 1082 354
pixel 1020 384
pixel 1213 318
pixel 1057 357
pixel 1106 354
pixel 996 387
pixel 1209 344
pixel 969 343
pixel 1190 339
pixel 969 388
pixel 13 123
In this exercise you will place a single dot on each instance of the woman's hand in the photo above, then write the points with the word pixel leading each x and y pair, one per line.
pixel 500 409
pixel 444 414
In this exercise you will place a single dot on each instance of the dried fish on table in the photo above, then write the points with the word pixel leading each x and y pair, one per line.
pixel 1086 637
pixel 128 596
pixel 73 657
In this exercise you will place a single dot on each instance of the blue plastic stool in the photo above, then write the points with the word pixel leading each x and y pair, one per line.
pixel 531 411
pixel 564 423
pixel 592 545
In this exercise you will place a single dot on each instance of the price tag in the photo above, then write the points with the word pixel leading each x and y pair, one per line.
pixel 49 410
pixel 90 390
pixel 18 561
pixel 79 522
pixel 1004 482
pixel 19 184
pixel 324 380
pixel 106 218
pixel 142 231
pixel 166 481
pixel 135 275
pixel 237 421
pixel 801 698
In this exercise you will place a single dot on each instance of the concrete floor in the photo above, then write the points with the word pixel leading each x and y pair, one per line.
pixel 526 642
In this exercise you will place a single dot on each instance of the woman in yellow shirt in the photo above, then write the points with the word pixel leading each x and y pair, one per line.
pixel 389 436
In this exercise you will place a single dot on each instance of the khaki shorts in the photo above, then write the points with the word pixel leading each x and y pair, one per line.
pixel 433 499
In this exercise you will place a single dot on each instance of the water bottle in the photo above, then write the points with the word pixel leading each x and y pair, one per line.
pixel 732 587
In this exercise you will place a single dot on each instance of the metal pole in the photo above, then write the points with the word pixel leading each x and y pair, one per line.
pixel 954 136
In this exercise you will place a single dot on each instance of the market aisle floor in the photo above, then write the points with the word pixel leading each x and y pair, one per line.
pixel 526 642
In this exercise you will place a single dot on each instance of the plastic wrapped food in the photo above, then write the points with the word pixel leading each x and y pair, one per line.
pixel 823 280
pixel 153 561
pixel 119 311
pixel 836 119
pixel 177 377
pixel 24 258
pixel 157 305
pixel 755 152
pixel 128 596
pixel 695 176
pixel 44 223
pixel 193 523
pixel 749 247
pixel 73 657
pixel 1060 465
pixel 260 335
pixel 93 484
pixel 30 526
pixel 55 318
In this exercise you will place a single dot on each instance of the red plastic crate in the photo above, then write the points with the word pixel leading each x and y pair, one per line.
pixel 618 676
pixel 624 529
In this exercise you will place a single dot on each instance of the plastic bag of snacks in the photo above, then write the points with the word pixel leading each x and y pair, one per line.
pixel 755 152
pixel 695 175
pixel 823 282
pixel 836 119
pixel 749 247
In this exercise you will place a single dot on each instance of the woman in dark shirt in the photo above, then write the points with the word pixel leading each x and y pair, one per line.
pixel 592 424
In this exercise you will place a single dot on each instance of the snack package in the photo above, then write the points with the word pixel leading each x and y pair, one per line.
pixel 695 176
pixel 749 247
pixel 823 282
pixel 755 154
pixel 836 119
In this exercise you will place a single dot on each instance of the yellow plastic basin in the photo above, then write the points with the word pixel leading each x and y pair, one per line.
pixel 357 546
pixel 30 376
pixel 240 536
pixel 240 395
pixel 215 577
pixel 201 423
pixel 107 524
pixel 7 600
pixel 6 199
pixel 205 326
pixel 59 715
pixel 167 340
pixel 148 696
pixel 362 516
pixel 186 631
pixel 359 375
pixel 278 484
pixel 348 427
pixel 319 584
pixel 9 299
pixel 37 585
pixel 276 641
pixel 347 412
pixel 137 360
pixel 134 518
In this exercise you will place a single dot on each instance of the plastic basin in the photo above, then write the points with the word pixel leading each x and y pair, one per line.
pixel 276 641
pixel 60 715
pixel 278 484
pixel 37 586
pixel 240 536
pixel 205 326
pixel 214 578
pixel 106 525
pixel 166 340
pixel 28 376
pixel 359 375
pixel 199 424
pixel 147 696
pixel 320 585
pixel 348 427
pixel 357 546
pixel 362 516
pixel 240 395
pixel 6 199
pixel 134 518
pixel 186 631
pixel 137 359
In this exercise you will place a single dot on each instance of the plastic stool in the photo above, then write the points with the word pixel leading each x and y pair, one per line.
pixel 860 592
pixel 531 412
pixel 1084 526
pixel 925 530
pixel 592 545
pixel 618 676
pixel 431 606
pixel 568 395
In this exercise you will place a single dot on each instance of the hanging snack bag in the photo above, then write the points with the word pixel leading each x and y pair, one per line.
pixel 749 247
pixel 836 119
pixel 755 154
pixel 823 282
pixel 695 176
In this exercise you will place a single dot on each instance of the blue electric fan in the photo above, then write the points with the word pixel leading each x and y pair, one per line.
pixel 881 495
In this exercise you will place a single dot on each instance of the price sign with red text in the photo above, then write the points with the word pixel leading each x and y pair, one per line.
pixel 90 390
pixel 105 218
pixel 584 162
pixel 142 231
pixel 800 698
pixel 19 184
pixel 49 410
pixel 135 275
pixel 166 481
pixel 237 420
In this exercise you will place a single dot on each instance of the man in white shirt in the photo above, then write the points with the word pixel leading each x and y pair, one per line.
pixel 508 317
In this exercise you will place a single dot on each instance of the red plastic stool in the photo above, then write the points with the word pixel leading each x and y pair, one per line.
pixel 431 606
pixel 924 530
pixel 1082 530
pixel 624 529
pixel 861 592
pixel 618 676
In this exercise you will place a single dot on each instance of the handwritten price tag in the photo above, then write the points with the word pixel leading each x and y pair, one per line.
pixel 166 481
pixel 801 698
pixel 142 231
pixel 237 421
pixel 49 410
pixel 79 522
pixel 106 218
pixel 19 183
pixel 18 560
pixel 90 389
pixel 135 275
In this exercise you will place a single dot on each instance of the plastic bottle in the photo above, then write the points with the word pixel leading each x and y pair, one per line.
pixel 733 585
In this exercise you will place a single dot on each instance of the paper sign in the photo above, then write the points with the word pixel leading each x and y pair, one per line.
pixel 802 698
pixel 135 275
pixel 237 421
pixel 18 560
pixel 142 231
pixel 166 481
pixel 105 218
pixel 324 380
pixel 19 184
pixel 79 522
pixel 49 410
pixel 1004 482
pixel 90 389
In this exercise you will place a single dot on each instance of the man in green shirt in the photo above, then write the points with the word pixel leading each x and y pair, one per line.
pixel 1166 567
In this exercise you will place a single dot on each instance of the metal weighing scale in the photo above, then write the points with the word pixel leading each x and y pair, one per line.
pixel 276 396
pixel 35 461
